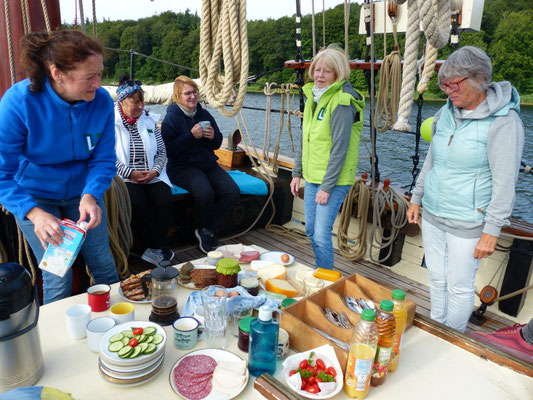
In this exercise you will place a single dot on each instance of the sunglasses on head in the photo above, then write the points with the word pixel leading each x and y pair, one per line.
pixel 133 83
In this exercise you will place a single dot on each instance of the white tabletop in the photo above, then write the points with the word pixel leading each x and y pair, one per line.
pixel 429 367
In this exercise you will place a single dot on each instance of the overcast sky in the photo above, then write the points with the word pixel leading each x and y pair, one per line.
pixel 135 9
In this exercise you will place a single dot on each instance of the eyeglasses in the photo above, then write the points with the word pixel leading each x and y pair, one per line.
pixel 453 86
pixel 190 93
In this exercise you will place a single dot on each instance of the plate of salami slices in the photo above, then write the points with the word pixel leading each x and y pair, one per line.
pixel 210 374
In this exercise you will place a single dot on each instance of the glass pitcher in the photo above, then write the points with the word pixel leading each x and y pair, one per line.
pixel 164 294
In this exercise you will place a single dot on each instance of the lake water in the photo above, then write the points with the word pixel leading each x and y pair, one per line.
pixel 394 149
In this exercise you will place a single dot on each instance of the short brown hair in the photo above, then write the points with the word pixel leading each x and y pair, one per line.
pixel 179 82
pixel 65 49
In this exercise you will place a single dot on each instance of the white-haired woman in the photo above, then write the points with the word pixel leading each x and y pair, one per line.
pixel 141 160
pixel 467 184
pixel 329 149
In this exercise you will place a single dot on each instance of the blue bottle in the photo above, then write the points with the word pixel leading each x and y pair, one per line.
pixel 263 342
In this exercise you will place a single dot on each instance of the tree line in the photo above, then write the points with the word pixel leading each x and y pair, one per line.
pixel 506 35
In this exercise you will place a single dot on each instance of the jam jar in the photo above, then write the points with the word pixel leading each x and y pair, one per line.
pixel 244 333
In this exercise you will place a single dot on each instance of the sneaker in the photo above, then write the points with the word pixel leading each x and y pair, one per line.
pixel 204 239
pixel 509 340
pixel 168 256
pixel 213 241
pixel 153 256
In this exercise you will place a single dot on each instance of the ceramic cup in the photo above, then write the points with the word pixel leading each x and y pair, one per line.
pixel 98 297
pixel 78 316
pixel 185 333
pixel 123 312
pixel 283 343
pixel 205 124
pixel 96 329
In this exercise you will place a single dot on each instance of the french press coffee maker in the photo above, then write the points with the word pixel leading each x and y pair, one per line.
pixel 164 294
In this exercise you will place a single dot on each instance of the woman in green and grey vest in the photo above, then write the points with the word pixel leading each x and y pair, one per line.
pixel 329 149
pixel 467 184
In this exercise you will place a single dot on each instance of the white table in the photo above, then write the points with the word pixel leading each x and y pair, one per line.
pixel 429 367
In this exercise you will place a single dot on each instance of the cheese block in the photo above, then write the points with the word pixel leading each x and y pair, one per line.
pixel 274 271
pixel 281 286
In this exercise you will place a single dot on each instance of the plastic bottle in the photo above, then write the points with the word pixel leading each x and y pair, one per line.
pixel 263 343
pixel 361 356
pixel 400 314
pixel 386 324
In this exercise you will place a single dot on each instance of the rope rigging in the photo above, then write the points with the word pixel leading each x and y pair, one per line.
pixel 223 33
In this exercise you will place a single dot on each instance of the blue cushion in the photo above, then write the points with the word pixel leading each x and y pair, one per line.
pixel 247 184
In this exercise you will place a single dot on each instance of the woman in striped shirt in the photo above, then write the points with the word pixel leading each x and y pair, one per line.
pixel 141 160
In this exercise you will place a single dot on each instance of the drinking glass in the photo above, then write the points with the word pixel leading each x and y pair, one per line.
pixel 239 307
pixel 215 315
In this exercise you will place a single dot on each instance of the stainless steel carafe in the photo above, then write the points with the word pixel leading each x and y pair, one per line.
pixel 20 345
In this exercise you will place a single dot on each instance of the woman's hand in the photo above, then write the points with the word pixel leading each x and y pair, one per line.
pixel 322 197
pixel 412 213
pixel 209 133
pixel 147 176
pixel 486 246
pixel 89 208
pixel 46 227
pixel 295 186
pixel 197 131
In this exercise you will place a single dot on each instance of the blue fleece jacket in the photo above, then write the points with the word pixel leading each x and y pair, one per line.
pixel 183 149
pixel 52 149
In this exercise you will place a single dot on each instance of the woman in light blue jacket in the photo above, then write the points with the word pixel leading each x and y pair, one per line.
pixel 467 184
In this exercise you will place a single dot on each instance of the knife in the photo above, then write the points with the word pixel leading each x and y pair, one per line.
pixel 340 343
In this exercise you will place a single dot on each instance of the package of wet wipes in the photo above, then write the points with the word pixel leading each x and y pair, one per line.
pixel 58 259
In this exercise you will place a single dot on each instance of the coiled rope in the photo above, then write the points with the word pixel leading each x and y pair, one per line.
pixel 118 208
pixel 382 200
pixel 437 32
pixel 9 43
pixel 358 198
pixel 269 92
pixel 390 82
pixel 223 33
pixel 46 16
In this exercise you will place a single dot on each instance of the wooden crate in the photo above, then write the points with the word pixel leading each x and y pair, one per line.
pixel 230 158
pixel 299 318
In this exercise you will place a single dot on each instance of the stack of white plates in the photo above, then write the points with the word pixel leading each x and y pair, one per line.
pixel 130 371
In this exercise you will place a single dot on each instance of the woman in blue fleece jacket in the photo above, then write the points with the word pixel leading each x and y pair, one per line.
pixel 57 156
pixel 192 163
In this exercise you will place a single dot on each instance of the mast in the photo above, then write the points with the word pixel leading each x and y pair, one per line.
pixel 15 24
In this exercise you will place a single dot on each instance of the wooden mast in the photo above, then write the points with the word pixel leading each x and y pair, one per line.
pixel 17 31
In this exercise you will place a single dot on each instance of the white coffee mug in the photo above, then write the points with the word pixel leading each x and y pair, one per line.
pixel 78 316
pixel 283 343
pixel 185 333
pixel 122 312
pixel 96 329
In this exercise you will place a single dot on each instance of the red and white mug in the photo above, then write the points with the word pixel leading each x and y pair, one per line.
pixel 99 297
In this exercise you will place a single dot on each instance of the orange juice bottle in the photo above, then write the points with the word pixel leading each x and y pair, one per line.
pixel 361 356
pixel 400 314
pixel 386 328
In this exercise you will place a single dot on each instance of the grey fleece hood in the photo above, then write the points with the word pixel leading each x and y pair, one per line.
pixel 501 98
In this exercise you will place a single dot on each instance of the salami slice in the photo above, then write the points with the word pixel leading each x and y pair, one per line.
pixel 197 365
pixel 198 395
pixel 192 376
pixel 249 256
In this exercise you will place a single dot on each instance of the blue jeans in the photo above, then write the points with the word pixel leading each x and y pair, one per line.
pixel 452 274
pixel 319 219
pixel 95 250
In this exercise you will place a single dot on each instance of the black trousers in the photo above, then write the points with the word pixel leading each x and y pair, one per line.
pixel 151 207
pixel 214 191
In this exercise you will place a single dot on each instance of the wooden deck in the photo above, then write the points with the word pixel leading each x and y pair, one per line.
pixel 416 292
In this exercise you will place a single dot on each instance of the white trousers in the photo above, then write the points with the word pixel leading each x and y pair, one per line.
pixel 452 273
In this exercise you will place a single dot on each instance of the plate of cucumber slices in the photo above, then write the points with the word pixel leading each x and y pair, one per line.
pixel 133 343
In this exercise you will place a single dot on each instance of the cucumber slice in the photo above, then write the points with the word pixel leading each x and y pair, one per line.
pixel 143 346
pixel 125 351
pixel 141 338
pixel 127 334
pixel 115 346
pixel 125 341
pixel 149 339
pixel 116 338
pixel 157 339
pixel 150 349
pixel 149 330
pixel 136 351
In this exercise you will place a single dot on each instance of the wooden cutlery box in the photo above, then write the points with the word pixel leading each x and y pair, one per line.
pixel 300 318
